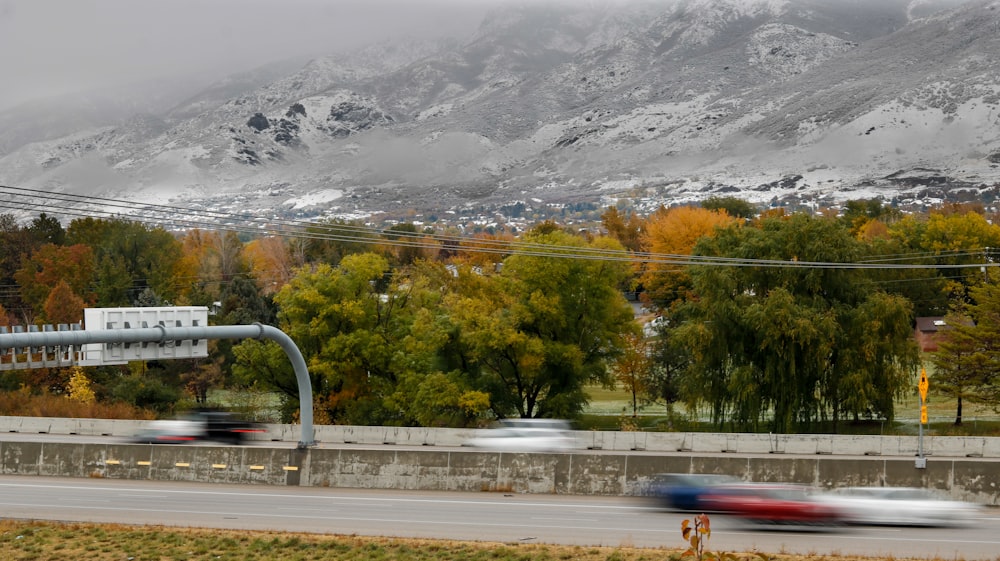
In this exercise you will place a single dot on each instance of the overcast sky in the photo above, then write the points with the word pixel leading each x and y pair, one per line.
pixel 53 47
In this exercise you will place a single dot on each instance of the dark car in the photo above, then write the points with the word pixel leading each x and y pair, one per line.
pixel 223 426
pixel 207 425
pixel 778 504
pixel 687 491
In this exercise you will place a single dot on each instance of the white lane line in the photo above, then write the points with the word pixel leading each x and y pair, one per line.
pixel 347 518
pixel 331 497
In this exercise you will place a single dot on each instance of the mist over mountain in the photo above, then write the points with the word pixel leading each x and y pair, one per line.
pixel 802 102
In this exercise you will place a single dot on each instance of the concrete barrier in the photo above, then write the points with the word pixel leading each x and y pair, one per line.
pixel 583 472
pixel 698 442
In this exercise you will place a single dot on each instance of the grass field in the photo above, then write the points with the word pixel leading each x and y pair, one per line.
pixel 610 408
pixel 53 541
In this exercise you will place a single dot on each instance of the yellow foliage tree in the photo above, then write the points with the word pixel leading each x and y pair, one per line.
pixel 675 231
pixel 79 387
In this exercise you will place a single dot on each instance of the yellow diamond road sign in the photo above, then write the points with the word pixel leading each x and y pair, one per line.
pixel 923 384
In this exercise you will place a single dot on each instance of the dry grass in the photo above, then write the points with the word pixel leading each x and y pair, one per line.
pixel 25 404
pixel 45 541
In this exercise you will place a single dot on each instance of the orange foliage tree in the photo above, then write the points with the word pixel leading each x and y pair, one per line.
pixel 272 262
pixel 53 264
pixel 675 231
pixel 63 305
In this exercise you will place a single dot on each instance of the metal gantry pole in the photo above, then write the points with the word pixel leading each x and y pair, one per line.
pixel 162 334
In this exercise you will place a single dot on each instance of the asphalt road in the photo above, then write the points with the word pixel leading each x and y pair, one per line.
pixel 491 517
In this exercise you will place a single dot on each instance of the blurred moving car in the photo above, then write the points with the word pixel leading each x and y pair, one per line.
pixel 775 504
pixel 206 425
pixel 527 435
pixel 170 431
pixel 899 506
pixel 687 491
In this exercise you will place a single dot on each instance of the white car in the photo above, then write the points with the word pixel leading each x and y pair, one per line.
pixel 526 435
pixel 898 506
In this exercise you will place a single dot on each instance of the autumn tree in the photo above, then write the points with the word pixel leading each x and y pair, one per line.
pixel 52 264
pixel 627 228
pixel 63 306
pixel 201 375
pixel 632 368
pixel 861 216
pixel 672 233
pixel 272 261
pixel 5 318
pixel 79 387
pixel 196 270
pixel 407 244
pixel 954 240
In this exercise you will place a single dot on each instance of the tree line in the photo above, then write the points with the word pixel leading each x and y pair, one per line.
pixel 765 320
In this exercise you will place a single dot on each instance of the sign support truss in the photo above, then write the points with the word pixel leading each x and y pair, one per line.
pixel 12 344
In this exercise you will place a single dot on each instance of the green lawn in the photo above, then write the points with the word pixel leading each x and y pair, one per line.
pixel 609 409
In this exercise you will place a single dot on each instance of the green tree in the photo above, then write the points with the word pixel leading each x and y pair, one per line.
pixel 735 207
pixel 545 326
pixel 46 229
pixel 357 329
pixel 332 240
pixel 15 246
pixel 796 342
pixel 967 362
pixel 131 257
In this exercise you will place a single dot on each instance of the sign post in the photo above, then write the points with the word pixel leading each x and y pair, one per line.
pixel 922 386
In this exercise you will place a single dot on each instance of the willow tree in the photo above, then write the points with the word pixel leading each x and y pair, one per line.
pixel 795 334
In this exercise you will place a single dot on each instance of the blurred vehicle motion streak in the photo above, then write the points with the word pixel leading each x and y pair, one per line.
pixel 772 504
pixel 527 435
pixel 687 491
pixel 206 425
pixel 899 506
pixel 795 504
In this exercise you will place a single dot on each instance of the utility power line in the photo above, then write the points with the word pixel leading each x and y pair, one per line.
pixel 184 218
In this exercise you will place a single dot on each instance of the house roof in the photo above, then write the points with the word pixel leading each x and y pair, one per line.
pixel 930 324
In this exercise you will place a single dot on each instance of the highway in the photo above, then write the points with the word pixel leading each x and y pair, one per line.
pixel 489 517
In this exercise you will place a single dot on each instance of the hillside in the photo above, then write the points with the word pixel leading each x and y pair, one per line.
pixel 781 102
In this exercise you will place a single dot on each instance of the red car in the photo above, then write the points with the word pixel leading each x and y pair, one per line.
pixel 782 504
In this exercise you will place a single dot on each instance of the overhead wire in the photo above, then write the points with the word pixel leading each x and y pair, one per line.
pixel 186 218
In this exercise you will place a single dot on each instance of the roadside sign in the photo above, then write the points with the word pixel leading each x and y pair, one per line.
pixel 923 384
pixel 923 414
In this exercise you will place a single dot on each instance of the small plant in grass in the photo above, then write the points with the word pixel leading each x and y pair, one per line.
pixel 696 533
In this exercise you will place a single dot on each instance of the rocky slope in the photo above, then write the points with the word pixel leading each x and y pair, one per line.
pixel 778 101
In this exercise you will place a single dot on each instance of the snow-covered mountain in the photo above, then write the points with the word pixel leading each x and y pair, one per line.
pixel 776 101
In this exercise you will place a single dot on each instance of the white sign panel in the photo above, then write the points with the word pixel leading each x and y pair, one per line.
pixel 137 318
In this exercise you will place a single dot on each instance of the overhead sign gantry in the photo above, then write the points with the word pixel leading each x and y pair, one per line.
pixel 120 335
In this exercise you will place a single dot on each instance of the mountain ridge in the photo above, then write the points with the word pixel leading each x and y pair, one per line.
pixel 790 102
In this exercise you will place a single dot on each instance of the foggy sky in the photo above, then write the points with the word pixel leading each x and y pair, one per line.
pixel 57 47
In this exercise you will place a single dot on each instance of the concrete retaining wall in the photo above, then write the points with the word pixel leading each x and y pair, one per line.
pixel 697 442
pixel 604 473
